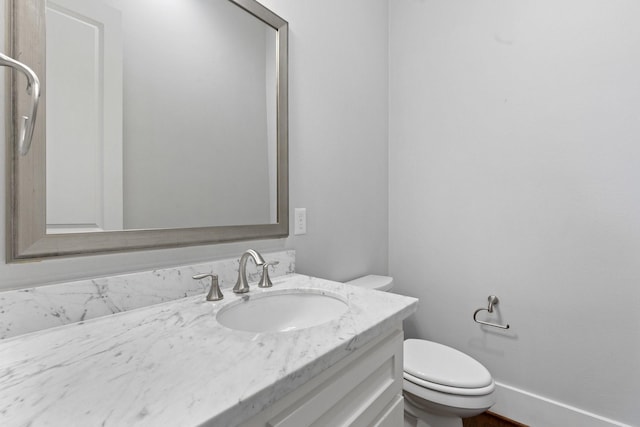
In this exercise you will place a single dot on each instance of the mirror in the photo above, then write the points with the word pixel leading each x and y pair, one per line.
pixel 166 125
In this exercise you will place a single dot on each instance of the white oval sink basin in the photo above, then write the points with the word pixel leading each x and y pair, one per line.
pixel 282 311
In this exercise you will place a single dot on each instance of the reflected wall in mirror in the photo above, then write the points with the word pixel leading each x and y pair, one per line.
pixel 158 111
pixel 166 125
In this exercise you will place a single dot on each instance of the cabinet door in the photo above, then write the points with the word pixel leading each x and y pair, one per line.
pixel 362 390
pixel 394 415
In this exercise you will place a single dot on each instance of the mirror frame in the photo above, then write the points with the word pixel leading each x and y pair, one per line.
pixel 27 238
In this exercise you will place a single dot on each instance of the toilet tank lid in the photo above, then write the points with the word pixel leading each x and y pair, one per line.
pixel 443 365
pixel 372 281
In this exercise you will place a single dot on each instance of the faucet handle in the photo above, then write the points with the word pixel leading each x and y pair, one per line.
pixel 215 294
pixel 265 281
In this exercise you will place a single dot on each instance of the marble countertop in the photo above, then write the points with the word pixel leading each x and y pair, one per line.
pixel 174 364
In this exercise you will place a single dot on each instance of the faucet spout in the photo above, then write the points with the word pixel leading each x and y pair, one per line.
pixel 241 284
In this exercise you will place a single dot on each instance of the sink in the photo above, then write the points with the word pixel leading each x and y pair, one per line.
pixel 282 311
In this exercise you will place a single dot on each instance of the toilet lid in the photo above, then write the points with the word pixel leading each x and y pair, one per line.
pixel 439 364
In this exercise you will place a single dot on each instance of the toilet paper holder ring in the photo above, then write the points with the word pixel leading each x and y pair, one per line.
pixel 493 301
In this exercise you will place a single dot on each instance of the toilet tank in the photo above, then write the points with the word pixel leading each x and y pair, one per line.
pixel 372 281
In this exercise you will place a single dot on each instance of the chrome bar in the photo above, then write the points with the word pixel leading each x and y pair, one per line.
pixel 493 301
pixel 33 88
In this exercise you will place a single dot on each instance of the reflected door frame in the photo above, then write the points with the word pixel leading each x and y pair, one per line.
pixel 86 117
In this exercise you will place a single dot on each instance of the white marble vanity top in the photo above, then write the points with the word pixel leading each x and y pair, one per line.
pixel 172 364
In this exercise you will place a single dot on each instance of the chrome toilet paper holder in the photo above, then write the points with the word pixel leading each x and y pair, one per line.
pixel 493 301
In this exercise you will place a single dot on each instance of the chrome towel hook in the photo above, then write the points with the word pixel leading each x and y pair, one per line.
pixel 33 88
pixel 493 301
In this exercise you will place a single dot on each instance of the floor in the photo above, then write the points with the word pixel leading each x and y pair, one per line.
pixel 489 419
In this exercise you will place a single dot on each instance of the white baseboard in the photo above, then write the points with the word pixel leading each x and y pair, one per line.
pixel 539 411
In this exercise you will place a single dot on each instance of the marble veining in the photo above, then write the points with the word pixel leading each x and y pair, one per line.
pixel 27 310
pixel 173 364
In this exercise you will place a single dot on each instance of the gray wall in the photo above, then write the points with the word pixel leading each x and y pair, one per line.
pixel 515 171
pixel 338 153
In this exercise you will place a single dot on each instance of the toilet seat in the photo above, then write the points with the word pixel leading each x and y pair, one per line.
pixel 448 389
pixel 440 368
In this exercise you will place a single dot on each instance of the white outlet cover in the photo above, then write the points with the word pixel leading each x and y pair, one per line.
pixel 300 221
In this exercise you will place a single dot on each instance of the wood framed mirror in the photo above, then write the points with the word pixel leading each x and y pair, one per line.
pixel 161 124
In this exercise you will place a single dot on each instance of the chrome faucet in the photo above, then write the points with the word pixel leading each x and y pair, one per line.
pixel 241 284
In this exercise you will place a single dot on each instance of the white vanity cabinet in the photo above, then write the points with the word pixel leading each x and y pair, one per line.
pixel 364 389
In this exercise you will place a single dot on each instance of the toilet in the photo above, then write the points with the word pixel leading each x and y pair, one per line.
pixel 441 385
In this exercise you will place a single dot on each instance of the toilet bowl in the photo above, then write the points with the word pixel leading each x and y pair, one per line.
pixel 441 385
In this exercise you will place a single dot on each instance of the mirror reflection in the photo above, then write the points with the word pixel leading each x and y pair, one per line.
pixel 160 114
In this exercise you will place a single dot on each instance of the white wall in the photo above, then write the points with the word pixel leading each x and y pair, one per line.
pixel 338 153
pixel 338 132
pixel 515 171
